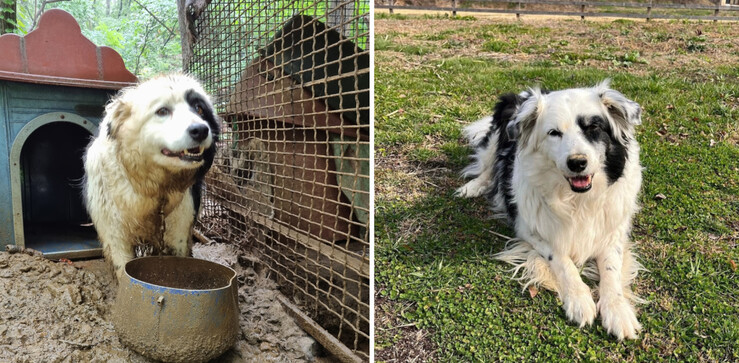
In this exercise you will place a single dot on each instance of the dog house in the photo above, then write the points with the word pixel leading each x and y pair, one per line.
pixel 54 84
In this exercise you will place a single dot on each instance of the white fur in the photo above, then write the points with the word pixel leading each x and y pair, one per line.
pixel 130 185
pixel 482 165
pixel 572 228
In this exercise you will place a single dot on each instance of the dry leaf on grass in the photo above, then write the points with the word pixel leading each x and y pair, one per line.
pixel 533 291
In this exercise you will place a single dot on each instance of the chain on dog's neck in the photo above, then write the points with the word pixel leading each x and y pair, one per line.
pixel 162 226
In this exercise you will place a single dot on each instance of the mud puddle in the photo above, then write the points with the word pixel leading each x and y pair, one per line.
pixel 60 312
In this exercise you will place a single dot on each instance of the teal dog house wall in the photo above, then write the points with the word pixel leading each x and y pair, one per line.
pixel 54 84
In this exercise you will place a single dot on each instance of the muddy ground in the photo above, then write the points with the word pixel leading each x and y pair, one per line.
pixel 60 312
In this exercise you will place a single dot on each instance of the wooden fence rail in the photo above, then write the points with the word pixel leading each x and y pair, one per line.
pixel 582 13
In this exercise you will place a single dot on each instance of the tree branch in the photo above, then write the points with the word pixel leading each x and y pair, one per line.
pixel 155 17
pixel 146 39
pixel 41 11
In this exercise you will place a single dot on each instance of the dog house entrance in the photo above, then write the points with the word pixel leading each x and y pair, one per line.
pixel 55 221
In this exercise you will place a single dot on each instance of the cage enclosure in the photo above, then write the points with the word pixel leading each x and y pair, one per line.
pixel 291 82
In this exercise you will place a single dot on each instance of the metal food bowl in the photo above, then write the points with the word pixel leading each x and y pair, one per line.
pixel 177 309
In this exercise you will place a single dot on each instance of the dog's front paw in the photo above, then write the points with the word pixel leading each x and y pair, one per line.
pixel 474 188
pixel 618 317
pixel 580 307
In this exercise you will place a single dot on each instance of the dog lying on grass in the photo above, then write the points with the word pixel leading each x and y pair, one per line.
pixel 563 168
pixel 144 170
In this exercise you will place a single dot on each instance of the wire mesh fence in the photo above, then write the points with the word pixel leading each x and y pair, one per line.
pixel 290 79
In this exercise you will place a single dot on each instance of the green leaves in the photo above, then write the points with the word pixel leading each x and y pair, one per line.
pixel 146 45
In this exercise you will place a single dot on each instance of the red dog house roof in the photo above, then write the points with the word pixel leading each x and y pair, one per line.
pixel 57 53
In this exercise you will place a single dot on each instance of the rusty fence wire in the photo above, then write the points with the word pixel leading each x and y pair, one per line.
pixel 291 79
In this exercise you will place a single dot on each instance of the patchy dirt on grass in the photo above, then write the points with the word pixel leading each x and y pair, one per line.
pixel 409 344
pixel 60 312
pixel 659 47
pixel 404 180
pixel 637 45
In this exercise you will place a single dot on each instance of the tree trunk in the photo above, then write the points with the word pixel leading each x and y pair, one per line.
pixel 7 16
pixel 187 38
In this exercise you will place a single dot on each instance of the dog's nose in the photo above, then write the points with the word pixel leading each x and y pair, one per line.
pixel 198 132
pixel 577 162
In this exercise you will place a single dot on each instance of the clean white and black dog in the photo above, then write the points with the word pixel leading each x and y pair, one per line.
pixel 563 168
pixel 144 170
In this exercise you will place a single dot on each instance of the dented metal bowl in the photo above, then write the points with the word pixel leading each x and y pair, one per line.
pixel 177 309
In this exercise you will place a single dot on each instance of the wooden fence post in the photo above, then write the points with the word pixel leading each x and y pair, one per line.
pixel 715 12
pixel 582 12
pixel 454 7
pixel 649 11
pixel 518 13
pixel 392 2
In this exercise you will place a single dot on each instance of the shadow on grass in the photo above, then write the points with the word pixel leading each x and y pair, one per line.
pixel 433 258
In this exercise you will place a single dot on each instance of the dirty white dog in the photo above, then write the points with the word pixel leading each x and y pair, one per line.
pixel 144 170
pixel 563 167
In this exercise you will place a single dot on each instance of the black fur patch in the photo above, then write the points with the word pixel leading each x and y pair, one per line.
pixel 504 112
pixel 597 130
pixel 195 100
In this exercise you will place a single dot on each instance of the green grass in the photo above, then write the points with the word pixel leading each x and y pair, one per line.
pixel 433 251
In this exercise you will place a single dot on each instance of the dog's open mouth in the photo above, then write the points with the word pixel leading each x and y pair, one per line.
pixel 581 183
pixel 193 155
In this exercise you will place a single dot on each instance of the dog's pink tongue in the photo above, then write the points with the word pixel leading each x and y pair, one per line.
pixel 580 181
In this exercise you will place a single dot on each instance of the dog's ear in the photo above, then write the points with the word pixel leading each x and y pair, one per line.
pixel 624 112
pixel 116 112
pixel 522 125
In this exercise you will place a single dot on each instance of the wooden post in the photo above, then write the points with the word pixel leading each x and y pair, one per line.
pixel 649 11
pixel 715 12
pixel 454 7
pixel 392 2
pixel 582 12
pixel 518 14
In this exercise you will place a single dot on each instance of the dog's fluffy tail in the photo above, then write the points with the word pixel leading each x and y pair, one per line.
pixel 484 142
pixel 530 268
pixel 476 131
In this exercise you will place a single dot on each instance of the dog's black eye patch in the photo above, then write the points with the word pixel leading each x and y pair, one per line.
pixel 597 130
pixel 594 128
pixel 198 105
